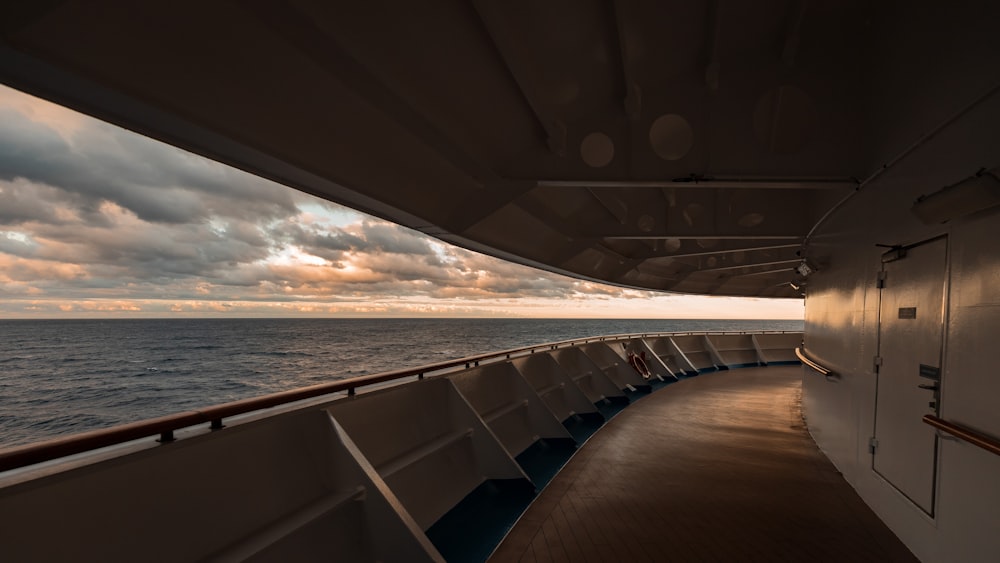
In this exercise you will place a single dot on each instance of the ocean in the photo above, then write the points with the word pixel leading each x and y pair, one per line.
pixel 65 376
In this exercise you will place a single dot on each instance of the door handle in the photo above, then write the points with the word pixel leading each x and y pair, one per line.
pixel 928 387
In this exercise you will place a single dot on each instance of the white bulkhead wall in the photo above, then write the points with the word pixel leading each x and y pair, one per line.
pixel 842 332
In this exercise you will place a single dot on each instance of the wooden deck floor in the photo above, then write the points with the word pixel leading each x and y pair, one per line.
pixel 715 468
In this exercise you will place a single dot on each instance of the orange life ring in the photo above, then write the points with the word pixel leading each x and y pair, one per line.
pixel 640 365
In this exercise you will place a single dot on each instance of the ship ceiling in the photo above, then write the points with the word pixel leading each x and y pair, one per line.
pixel 679 146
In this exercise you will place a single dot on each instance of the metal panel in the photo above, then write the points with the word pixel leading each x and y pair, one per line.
pixel 910 339
pixel 508 405
pixel 616 368
pixel 266 490
pixel 778 347
pixel 554 386
pixel 692 349
pixel 587 375
pixel 427 443
pixel 734 349
pixel 668 354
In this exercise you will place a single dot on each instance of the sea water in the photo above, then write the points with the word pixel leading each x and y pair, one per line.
pixel 67 376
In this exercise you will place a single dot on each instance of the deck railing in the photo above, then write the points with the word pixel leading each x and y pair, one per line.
pixel 821 369
pixel 971 436
pixel 21 456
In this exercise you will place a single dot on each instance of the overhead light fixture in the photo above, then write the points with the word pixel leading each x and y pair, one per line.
pixel 895 252
pixel 972 194
pixel 805 269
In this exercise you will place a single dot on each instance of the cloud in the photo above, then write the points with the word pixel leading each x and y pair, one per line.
pixel 95 220
pixel 381 259
pixel 159 184
pixel 95 211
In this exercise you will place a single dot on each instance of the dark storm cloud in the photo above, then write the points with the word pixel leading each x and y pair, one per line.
pixel 100 163
pixel 21 202
pixel 135 249
pixel 386 237
pixel 128 208
pixel 375 237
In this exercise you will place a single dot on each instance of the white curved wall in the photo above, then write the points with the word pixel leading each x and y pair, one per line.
pixel 842 332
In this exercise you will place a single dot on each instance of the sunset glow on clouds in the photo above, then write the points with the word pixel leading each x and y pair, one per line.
pixel 96 221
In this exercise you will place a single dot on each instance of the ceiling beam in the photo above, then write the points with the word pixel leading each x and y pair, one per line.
pixel 791 183
pixel 717 251
pixel 751 265
pixel 714 286
pixel 700 236
pixel 625 266
pixel 713 40
pixel 555 131
pixel 478 207
pixel 632 100
pixel 302 33
pixel 793 35
pixel 612 203
pixel 762 272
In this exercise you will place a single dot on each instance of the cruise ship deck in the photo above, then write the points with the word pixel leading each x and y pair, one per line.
pixel 717 467
pixel 844 153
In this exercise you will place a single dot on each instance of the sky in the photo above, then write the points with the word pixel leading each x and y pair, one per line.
pixel 96 221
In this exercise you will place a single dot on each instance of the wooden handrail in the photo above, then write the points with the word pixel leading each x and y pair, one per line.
pixel 62 446
pixel 987 443
pixel 801 353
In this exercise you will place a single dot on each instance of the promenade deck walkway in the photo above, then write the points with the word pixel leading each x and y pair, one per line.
pixel 718 467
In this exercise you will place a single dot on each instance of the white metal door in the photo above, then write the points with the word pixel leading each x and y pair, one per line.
pixel 910 342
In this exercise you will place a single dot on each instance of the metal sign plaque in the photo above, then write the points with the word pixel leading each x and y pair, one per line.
pixel 907 312
pixel 930 372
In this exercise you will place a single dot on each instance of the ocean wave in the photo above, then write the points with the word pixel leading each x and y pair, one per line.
pixel 106 372
pixel 12 359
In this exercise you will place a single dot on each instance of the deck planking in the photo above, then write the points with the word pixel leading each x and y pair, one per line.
pixel 719 467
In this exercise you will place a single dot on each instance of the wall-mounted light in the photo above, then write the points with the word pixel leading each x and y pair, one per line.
pixel 972 194
pixel 895 252
pixel 805 269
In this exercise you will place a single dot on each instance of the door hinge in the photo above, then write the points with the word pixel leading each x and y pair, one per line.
pixel 872 445
pixel 876 363
pixel 880 281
